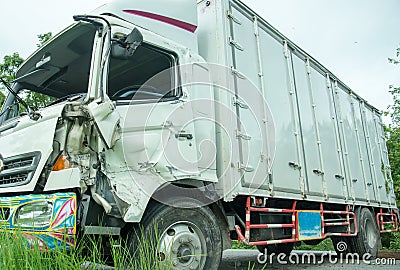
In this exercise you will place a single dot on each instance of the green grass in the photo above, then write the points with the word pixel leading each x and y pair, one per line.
pixel 14 255
pixel 325 245
pixel 391 241
pixel 238 245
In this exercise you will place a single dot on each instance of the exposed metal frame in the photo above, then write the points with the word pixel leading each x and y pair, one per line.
pixel 349 215
pixel 381 220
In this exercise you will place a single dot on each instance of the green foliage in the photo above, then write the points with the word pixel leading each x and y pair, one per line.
pixel 43 38
pixel 8 71
pixel 37 100
pixel 238 245
pixel 9 67
pixel 324 245
pixel 89 253
pixel 392 132
pixel 391 241
pixel 393 146
pixel 394 110
pixel 2 98
pixel 395 60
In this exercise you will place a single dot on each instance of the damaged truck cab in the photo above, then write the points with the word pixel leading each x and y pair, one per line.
pixel 100 140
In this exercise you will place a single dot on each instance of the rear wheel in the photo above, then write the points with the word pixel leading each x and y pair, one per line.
pixel 342 245
pixel 184 237
pixel 368 237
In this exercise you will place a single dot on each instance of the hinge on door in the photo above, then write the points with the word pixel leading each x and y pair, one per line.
pixel 325 190
pixel 285 49
pixel 295 165
pixel 302 187
pixel 244 168
pixel 336 87
pixel 242 136
pixel 235 44
pixel 339 177
pixel 255 24
pixel 328 81
pixel 232 17
pixel 237 73
pixel 240 104
pixel 308 65
pixel 318 172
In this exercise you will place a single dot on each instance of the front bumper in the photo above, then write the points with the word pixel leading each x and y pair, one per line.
pixel 58 232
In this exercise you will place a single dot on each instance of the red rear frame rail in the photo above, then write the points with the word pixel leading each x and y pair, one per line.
pixel 384 219
pixel 348 218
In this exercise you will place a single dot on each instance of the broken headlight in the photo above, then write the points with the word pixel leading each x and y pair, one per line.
pixel 34 215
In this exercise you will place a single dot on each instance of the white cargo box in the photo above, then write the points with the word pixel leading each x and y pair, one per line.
pixel 327 144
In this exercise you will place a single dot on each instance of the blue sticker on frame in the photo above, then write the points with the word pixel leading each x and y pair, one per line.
pixel 309 225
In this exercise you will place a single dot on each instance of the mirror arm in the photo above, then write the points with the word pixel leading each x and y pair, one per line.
pixel 93 20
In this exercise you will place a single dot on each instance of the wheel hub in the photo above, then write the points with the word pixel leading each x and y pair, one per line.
pixel 184 254
pixel 182 246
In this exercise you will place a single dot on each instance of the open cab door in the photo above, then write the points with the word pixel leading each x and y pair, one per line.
pixel 102 108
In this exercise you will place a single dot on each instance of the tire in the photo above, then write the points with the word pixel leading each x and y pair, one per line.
pixel 368 237
pixel 184 237
pixel 285 248
pixel 341 244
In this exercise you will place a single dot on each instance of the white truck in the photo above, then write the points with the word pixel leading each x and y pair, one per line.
pixel 199 120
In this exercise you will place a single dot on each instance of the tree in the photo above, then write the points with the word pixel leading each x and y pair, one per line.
pixel 395 91
pixel 8 71
pixel 392 240
pixel 43 38
pixel 9 67
pixel 393 132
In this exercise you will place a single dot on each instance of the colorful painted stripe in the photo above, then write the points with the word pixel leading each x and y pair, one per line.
pixel 183 25
pixel 60 231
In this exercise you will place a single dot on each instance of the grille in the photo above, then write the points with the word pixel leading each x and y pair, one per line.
pixel 12 179
pixel 18 164
pixel 19 170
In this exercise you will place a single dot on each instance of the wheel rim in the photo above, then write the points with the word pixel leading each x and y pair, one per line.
pixel 371 236
pixel 182 246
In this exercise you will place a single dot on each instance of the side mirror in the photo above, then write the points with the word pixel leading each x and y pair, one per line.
pixel 124 46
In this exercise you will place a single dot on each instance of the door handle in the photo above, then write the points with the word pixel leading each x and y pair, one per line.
pixel 188 136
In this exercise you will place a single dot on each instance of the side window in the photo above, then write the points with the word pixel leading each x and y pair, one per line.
pixel 148 75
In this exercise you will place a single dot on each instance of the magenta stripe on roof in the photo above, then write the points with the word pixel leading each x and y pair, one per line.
pixel 184 25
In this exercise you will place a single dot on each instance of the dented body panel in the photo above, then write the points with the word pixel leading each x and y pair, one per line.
pixel 21 138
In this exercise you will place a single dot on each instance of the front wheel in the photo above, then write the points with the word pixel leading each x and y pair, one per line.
pixel 186 237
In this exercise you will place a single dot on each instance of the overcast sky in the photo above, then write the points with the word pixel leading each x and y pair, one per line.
pixel 352 38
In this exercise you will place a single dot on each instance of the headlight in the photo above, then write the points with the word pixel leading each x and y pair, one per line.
pixel 34 215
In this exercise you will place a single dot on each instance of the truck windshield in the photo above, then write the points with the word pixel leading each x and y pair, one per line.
pixel 58 70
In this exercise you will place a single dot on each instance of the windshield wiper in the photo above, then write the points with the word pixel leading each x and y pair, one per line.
pixel 33 114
